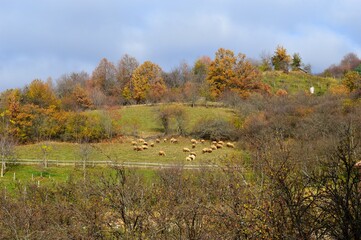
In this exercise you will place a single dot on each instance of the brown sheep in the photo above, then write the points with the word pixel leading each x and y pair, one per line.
pixel 186 150
pixel 230 145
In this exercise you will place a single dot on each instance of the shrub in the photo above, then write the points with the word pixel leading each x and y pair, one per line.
pixel 215 129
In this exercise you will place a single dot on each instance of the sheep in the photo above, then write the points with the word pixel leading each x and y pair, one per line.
pixel 135 148
pixel 193 141
pixel 139 148
pixel 207 150
pixel 193 145
pixel 230 145
pixel 220 142
pixel 151 144
pixel 145 143
pixel 157 140
pixel 213 147
pixel 188 159
pixel 134 143
pixel 219 145
pixel 145 147
pixel 141 140
pixel 161 153
pixel 214 142
pixel 192 157
pixel 193 153
pixel 202 141
pixel 165 140
pixel 173 140
pixel 186 150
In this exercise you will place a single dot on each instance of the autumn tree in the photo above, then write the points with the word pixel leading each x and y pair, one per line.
pixel 233 73
pixel 200 69
pixel 40 93
pixel 247 78
pixel 280 59
pixel 104 77
pixel 352 80
pixel 220 72
pixel 147 83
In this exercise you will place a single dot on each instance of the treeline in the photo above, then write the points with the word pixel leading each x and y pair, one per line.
pixel 43 110
pixel 300 179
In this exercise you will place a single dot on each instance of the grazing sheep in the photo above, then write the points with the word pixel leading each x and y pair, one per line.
pixel 230 145
pixel 186 150
pixel 202 141
pixel 157 140
pixel 213 147
pixel 220 142
pixel 134 143
pixel 164 140
pixel 193 145
pixel 141 140
pixel 219 145
pixel 214 142
pixel 207 150
pixel 139 148
pixel 188 159
pixel 145 143
pixel 193 153
pixel 173 140
pixel 151 144
pixel 145 147
pixel 161 153
pixel 192 157
pixel 193 141
pixel 135 148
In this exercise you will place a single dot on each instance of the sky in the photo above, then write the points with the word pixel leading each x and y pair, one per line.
pixel 48 38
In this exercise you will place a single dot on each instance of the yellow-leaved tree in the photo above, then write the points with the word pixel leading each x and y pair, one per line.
pixel 147 83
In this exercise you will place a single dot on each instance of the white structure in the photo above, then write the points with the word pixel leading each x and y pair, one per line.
pixel 312 90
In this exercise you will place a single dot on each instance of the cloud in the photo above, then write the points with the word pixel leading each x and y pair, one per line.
pixel 44 38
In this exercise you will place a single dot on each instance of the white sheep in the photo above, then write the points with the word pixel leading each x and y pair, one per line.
pixel 157 140
pixel 219 145
pixel 141 140
pixel 193 141
pixel 145 147
pixel 134 143
pixel 161 153
pixel 213 147
pixel 192 157
pixel 193 153
pixel 188 159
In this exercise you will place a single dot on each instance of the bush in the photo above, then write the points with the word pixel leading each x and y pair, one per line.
pixel 215 129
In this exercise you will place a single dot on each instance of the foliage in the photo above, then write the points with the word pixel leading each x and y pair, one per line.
pixel 147 83
pixel 352 80
pixel 296 62
pixel 40 94
pixel 215 129
pixel 230 73
pixel 281 60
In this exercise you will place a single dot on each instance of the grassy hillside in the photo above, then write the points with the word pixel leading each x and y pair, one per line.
pixel 142 120
pixel 295 82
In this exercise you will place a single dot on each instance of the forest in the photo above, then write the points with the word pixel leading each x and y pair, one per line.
pixel 291 169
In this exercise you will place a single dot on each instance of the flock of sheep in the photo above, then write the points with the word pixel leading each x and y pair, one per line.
pixel 141 144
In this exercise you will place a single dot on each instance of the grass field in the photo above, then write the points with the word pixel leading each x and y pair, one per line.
pixel 135 120
pixel 142 120
pixel 123 152
pixel 295 82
